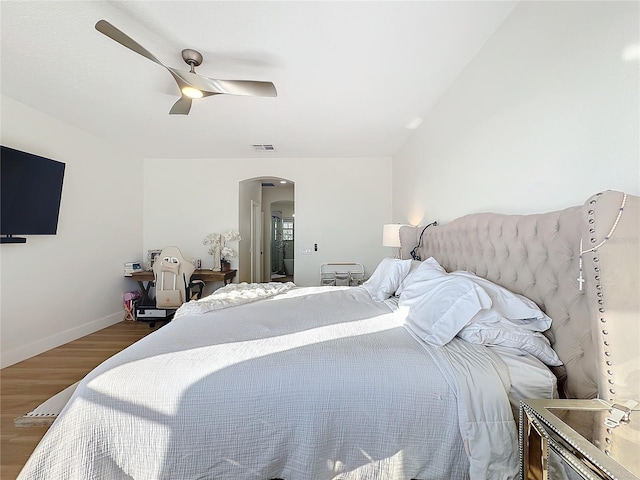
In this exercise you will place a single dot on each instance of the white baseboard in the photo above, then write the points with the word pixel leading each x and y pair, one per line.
pixel 16 355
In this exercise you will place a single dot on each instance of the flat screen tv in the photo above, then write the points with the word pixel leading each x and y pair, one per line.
pixel 30 194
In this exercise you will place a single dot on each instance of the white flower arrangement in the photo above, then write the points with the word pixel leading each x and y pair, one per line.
pixel 230 236
pixel 215 240
pixel 227 252
pixel 218 245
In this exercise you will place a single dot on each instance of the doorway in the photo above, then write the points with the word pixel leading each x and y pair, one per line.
pixel 256 242
pixel 266 252
pixel 282 243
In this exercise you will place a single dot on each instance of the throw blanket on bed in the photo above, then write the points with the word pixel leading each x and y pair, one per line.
pixel 233 294
pixel 488 429
pixel 316 383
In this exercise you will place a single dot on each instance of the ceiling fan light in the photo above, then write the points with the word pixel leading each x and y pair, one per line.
pixel 192 92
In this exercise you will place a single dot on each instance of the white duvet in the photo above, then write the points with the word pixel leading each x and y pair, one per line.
pixel 311 384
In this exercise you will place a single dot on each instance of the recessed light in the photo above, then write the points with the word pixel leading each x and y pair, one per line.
pixel 413 124
pixel 283 181
pixel 631 52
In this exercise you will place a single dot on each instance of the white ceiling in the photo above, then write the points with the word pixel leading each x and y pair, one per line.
pixel 350 75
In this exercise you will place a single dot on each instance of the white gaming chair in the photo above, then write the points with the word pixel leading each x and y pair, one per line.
pixel 172 274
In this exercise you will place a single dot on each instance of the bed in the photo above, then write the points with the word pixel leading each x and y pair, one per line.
pixel 394 379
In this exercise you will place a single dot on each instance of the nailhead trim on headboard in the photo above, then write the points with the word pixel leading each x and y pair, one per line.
pixel 601 310
pixel 606 351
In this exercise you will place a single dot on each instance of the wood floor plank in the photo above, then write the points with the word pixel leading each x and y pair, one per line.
pixel 27 384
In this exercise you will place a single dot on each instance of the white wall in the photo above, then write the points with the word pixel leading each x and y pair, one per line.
pixel 337 206
pixel 58 288
pixel 545 115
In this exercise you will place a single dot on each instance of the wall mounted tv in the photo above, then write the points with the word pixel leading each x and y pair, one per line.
pixel 30 194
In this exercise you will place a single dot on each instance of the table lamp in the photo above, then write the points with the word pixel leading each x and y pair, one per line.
pixel 391 236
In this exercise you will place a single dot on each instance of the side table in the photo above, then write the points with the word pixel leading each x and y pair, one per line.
pixel 579 439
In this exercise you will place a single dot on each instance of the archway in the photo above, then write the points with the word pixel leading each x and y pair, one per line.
pixel 256 197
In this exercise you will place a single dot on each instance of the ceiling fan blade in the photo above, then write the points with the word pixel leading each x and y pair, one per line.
pixel 181 107
pixel 246 87
pixel 123 39
pixel 229 87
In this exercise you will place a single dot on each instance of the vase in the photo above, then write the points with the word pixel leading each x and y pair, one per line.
pixel 216 262
pixel 225 265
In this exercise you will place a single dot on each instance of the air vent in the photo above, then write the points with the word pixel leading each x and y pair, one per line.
pixel 264 148
pixel 269 184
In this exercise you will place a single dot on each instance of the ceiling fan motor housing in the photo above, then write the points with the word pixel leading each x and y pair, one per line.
pixel 192 57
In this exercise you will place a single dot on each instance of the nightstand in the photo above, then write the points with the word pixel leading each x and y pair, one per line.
pixel 568 439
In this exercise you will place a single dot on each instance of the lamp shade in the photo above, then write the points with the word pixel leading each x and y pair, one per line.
pixel 391 235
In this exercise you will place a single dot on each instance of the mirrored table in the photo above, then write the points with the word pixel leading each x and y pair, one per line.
pixel 569 439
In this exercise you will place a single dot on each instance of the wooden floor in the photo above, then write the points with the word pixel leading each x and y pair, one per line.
pixel 284 279
pixel 27 384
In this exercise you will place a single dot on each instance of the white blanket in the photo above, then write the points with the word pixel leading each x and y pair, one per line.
pixel 316 383
pixel 487 427
pixel 231 295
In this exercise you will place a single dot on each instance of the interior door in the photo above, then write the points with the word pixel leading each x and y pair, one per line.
pixel 256 242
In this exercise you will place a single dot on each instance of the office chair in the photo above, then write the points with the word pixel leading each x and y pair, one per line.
pixel 172 277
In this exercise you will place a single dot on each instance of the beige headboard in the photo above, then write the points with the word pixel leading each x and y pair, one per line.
pixel 596 330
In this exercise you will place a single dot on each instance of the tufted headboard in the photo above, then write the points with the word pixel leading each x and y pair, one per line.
pixel 596 329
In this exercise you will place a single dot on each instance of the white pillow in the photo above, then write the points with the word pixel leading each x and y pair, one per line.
pixel 438 305
pixel 414 265
pixel 386 278
pixel 521 310
pixel 430 264
pixel 506 334
pixel 529 377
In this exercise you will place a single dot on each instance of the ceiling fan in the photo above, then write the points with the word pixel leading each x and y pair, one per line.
pixel 191 84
